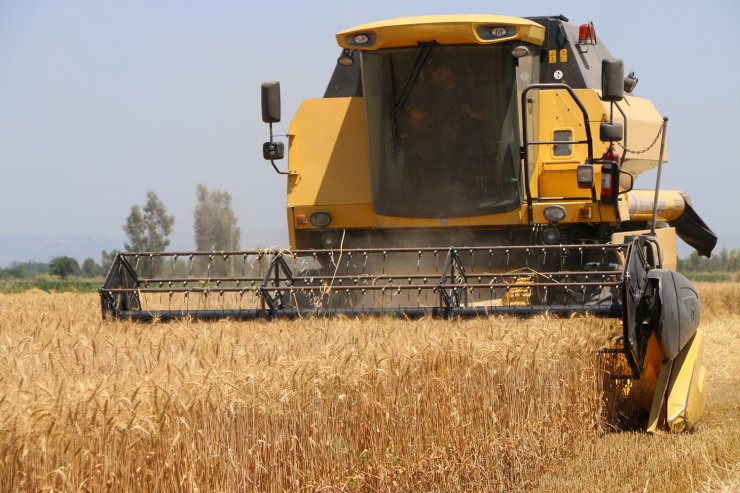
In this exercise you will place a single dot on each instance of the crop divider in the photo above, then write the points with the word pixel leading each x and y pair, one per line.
pixel 454 276
pixel 278 275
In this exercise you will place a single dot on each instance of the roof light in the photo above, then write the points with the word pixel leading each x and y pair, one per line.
pixel 362 39
pixel 586 36
pixel 520 51
pixel 346 59
pixel 495 33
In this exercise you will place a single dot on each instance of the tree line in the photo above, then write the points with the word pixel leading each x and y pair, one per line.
pixel 147 229
pixel 724 261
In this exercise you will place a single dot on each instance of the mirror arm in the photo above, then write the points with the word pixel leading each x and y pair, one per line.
pixel 277 170
pixel 272 161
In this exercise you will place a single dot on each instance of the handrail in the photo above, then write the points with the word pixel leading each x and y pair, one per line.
pixel 525 136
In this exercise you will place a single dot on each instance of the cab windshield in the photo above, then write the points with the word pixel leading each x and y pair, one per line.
pixel 443 130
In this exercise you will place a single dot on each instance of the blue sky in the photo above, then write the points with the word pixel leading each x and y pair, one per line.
pixel 101 101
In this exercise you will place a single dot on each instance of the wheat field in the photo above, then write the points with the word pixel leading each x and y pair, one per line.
pixel 488 404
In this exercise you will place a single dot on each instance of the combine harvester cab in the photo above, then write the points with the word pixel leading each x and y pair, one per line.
pixel 465 165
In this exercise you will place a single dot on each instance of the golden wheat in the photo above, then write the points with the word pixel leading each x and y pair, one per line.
pixel 489 404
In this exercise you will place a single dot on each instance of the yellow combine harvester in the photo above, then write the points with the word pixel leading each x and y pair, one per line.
pixel 465 165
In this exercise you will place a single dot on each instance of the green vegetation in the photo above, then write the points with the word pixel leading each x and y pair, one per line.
pixel 724 266
pixel 25 270
pixel 51 284
pixel 61 274
pixel 64 267
pixel 148 227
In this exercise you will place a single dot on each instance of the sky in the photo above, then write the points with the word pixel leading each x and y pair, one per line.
pixel 101 101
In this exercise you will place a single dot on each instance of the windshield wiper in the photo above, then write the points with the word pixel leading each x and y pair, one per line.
pixel 421 57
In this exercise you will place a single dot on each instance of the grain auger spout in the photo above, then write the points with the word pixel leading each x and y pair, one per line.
pixel 465 165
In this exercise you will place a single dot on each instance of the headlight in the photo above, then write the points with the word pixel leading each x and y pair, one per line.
pixel 320 219
pixel 554 214
pixel 520 51
pixel 330 239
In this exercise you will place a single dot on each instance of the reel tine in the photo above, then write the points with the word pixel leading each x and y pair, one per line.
pixel 353 289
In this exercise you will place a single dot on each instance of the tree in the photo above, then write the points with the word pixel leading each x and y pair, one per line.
pixel 64 266
pixel 24 270
pixel 107 258
pixel 13 271
pixel 147 228
pixel 215 224
pixel 90 268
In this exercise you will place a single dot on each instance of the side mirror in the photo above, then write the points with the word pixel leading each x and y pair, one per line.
pixel 272 150
pixel 271 101
pixel 612 80
pixel 626 181
pixel 610 132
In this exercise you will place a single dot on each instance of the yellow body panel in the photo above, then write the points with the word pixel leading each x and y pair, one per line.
pixel 685 394
pixel 328 153
pixel 362 216
pixel 667 240
pixel 657 409
pixel 641 391
pixel 554 176
pixel 559 180
pixel 444 29
pixel 678 402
